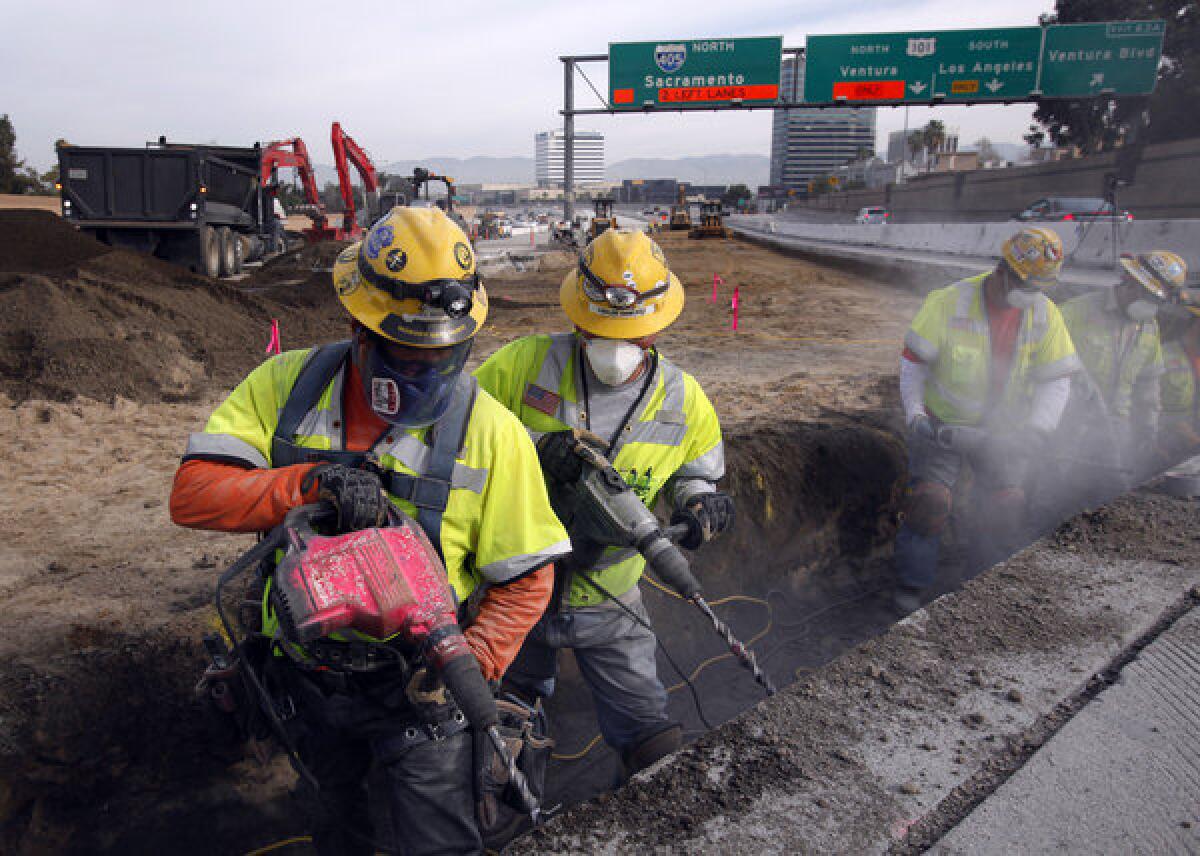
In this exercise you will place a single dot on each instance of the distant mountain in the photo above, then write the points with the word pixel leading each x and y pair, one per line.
pixel 751 170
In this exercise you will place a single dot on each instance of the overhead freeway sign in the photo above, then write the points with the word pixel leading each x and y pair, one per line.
pixel 940 65
pixel 702 72
pixel 998 64
pixel 1115 57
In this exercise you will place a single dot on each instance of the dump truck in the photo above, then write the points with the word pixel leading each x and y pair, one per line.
pixel 201 206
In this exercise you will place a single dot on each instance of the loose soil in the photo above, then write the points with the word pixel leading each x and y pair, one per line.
pixel 108 362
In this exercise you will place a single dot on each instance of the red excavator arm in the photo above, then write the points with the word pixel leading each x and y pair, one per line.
pixel 294 154
pixel 346 152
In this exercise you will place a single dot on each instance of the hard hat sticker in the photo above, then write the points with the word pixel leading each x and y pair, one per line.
pixel 349 283
pixel 385 396
pixel 462 255
pixel 378 239
pixel 396 260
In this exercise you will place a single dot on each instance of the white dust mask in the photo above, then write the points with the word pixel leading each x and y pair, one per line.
pixel 1019 299
pixel 1141 310
pixel 613 361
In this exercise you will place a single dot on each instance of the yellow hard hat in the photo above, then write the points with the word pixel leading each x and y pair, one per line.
pixel 412 280
pixel 622 287
pixel 1035 255
pixel 1160 272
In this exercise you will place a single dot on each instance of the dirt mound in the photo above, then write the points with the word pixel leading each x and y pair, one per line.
pixel 1142 525
pixel 38 241
pixel 124 325
pixel 296 265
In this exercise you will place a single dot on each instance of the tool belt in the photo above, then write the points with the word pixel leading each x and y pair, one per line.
pixel 497 807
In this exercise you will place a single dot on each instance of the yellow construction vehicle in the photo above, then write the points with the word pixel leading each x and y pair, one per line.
pixel 681 218
pixel 712 223
pixel 603 219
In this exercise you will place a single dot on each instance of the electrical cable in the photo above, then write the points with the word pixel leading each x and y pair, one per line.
pixel 658 641
pixel 687 679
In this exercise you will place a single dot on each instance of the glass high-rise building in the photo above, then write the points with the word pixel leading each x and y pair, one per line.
pixel 548 157
pixel 808 142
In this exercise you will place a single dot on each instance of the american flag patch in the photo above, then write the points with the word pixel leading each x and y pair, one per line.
pixel 542 400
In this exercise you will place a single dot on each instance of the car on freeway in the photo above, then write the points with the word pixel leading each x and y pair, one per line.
pixel 872 215
pixel 1082 208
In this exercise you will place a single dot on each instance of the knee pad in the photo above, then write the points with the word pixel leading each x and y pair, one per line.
pixel 927 507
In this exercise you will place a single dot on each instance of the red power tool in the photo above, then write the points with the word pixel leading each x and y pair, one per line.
pixel 387 583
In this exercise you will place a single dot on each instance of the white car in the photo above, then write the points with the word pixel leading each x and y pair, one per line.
pixel 872 215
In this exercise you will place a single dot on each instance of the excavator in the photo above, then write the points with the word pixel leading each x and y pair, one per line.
pixel 681 218
pixel 293 153
pixel 405 190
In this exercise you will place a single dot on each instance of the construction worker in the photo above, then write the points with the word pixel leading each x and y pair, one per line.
pixel 984 377
pixel 1179 327
pixel 655 424
pixel 1116 402
pixel 388 416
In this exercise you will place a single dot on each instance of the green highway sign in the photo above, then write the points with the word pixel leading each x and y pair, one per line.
pixel 922 67
pixel 1000 64
pixel 1116 57
pixel 705 72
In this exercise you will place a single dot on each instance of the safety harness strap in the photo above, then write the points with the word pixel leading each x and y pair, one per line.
pixel 449 433
pixel 322 366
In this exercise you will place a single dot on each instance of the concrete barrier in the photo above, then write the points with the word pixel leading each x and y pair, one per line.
pixel 1086 244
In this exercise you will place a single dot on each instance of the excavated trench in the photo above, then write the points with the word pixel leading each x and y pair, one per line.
pixel 107 751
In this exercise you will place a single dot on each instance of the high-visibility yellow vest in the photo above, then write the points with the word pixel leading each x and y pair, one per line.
pixel 673 438
pixel 950 333
pixel 1178 384
pixel 497 523
pixel 1118 353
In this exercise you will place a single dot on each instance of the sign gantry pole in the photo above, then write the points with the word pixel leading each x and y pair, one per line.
pixel 569 139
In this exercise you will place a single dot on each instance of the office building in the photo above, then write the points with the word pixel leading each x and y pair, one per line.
pixel 549 147
pixel 808 142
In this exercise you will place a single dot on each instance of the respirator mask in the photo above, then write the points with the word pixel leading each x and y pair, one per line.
pixel 613 361
pixel 410 387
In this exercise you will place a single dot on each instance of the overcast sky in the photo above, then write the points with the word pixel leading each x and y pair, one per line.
pixel 408 80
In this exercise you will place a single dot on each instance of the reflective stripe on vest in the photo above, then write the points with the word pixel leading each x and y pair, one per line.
pixel 667 427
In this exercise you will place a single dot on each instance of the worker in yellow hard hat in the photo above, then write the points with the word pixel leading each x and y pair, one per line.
pixel 654 423
pixel 984 377
pixel 1117 401
pixel 387 417
pixel 1179 328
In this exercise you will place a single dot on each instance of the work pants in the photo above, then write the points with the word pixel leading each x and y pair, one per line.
pixel 993 530
pixel 616 656
pixel 426 770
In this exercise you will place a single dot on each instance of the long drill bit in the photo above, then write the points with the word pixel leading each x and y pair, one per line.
pixel 528 800
pixel 743 654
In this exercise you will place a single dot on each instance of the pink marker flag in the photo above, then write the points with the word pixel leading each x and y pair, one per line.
pixel 716 281
pixel 273 345
pixel 736 295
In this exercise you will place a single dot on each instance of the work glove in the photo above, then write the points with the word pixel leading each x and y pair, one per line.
pixel 559 455
pixel 922 427
pixel 356 494
pixel 706 515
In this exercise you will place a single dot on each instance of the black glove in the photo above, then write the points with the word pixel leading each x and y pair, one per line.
pixel 558 455
pixel 357 495
pixel 706 515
